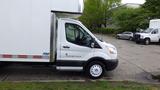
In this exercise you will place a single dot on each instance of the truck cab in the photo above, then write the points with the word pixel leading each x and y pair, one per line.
pixel 152 34
pixel 148 36
pixel 79 49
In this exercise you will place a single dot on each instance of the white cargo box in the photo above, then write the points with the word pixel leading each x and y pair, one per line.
pixel 25 25
pixel 75 6
pixel 155 23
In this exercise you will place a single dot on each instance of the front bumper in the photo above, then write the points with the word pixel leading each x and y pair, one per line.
pixel 139 40
pixel 111 64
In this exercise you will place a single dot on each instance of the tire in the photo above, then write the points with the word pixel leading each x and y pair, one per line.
pixel 95 70
pixel 147 41
pixel 130 38
pixel 117 37
pixel 159 42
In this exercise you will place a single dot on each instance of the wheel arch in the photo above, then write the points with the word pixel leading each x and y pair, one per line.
pixel 99 59
pixel 147 38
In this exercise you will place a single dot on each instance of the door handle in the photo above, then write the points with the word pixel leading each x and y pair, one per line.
pixel 66 47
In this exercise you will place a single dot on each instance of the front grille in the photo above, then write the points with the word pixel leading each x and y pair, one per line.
pixel 137 37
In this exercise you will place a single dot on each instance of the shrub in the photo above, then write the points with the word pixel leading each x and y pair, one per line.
pixel 105 30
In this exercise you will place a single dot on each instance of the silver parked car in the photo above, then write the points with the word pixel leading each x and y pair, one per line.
pixel 125 35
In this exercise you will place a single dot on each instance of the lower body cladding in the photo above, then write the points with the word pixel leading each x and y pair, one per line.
pixel 79 65
pixel 145 41
pixel 94 69
pixel 139 40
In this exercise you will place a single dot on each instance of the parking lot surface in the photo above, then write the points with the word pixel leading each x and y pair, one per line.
pixel 136 60
pixel 136 63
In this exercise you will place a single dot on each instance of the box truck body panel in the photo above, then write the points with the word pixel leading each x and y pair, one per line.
pixel 155 23
pixel 25 26
pixel 75 6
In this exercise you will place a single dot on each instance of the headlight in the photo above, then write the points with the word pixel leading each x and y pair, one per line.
pixel 112 50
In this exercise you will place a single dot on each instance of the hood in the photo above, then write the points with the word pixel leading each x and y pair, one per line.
pixel 143 33
pixel 108 45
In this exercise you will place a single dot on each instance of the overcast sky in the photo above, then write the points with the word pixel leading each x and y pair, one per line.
pixel 133 1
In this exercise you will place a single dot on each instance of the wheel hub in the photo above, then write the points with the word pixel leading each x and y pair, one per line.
pixel 96 70
pixel 147 42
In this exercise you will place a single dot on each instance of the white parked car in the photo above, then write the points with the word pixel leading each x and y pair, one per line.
pixel 125 35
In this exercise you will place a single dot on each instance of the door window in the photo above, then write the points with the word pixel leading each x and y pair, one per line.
pixel 77 35
pixel 155 31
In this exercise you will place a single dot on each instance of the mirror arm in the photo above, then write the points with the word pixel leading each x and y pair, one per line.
pixel 93 43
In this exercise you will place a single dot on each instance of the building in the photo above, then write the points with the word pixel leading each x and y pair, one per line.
pixel 132 5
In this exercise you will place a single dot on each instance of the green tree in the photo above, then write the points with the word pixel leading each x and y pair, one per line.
pixel 129 19
pixel 153 6
pixel 96 12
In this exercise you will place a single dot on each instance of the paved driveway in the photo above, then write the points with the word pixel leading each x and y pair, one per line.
pixel 137 63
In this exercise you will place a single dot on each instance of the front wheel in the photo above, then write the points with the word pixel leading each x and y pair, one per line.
pixel 130 38
pixel 117 37
pixel 147 41
pixel 95 70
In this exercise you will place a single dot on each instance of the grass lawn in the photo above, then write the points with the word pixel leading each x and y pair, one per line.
pixel 99 85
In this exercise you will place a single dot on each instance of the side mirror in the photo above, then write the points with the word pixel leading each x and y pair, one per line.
pixel 92 45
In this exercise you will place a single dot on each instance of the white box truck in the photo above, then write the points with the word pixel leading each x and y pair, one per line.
pixel 152 34
pixel 42 31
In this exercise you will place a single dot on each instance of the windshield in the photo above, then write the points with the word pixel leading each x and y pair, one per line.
pixel 148 30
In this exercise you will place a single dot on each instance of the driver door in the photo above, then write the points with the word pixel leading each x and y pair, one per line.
pixel 77 43
pixel 155 35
